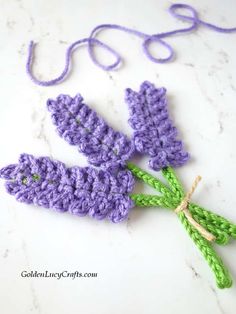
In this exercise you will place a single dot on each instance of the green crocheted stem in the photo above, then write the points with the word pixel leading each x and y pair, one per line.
pixel 221 237
pixel 175 185
pixel 144 200
pixel 217 221
pixel 149 179
pixel 216 224
pixel 171 197
pixel 223 279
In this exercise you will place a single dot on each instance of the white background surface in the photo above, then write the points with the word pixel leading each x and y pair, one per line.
pixel 147 264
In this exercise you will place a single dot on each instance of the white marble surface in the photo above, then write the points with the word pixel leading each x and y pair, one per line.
pixel 147 264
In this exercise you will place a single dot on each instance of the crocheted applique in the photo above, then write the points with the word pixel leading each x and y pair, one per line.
pixel 107 192
pixel 80 191
pixel 154 132
pixel 81 126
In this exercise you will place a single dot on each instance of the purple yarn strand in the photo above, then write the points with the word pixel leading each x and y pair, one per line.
pixel 195 19
pixel 71 48
pixel 80 191
pixel 91 42
pixel 154 133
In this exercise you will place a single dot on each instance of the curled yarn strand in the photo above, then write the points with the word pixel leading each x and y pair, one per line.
pixel 148 39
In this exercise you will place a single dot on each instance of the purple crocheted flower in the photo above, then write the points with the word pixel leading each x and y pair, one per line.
pixel 80 191
pixel 81 126
pixel 154 132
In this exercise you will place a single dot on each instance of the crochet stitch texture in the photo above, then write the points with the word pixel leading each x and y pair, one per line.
pixel 81 126
pixel 154 132
pixel 106 192
pixel 80 191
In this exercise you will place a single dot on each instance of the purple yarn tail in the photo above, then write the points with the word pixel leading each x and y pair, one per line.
pixel 92 42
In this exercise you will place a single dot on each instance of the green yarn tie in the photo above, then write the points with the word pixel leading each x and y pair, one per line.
pixel 171 197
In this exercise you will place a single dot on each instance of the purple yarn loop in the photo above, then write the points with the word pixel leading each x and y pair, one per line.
pixel 92 42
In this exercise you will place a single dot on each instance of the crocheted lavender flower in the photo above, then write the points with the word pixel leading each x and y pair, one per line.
pixel 81 126
pixel 81 191
pixel 154 132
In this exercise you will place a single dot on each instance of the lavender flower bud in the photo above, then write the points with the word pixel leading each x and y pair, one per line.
pixel 81 191
pixel 81 126
pixel 154 132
